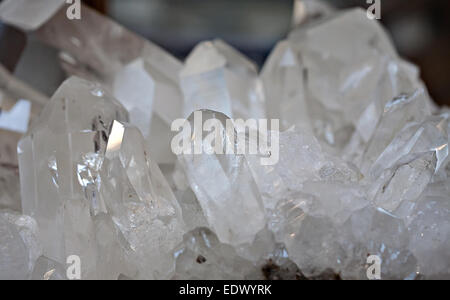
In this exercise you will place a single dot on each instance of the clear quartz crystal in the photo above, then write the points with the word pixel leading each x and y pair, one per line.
pixel 362 168
pixel 223 184
pixel 350 69
pixel 100 49
pixel 283 77
pixel 57 158
pixel 98 191
pixel 143 206
pixel 219 78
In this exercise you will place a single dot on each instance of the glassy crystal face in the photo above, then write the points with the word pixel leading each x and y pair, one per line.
pixel 362 165
pixel 349 71
pixel 142 76
pixel 230 194
pixel 58 158
pixel 98 191
pixel 219 78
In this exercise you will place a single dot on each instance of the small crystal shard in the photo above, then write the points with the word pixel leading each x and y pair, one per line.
pixel 217 77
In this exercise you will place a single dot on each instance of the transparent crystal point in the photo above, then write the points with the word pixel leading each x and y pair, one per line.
pixel 100 49
pixel 397 113
pixel 9 189
pixel 350 71
pixel 219 78
pixel 58 160
pixel 282 77
pixel 143 206
pixel 230 194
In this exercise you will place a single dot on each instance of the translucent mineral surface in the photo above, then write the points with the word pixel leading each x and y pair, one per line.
pixel 103 191
pixel 361 169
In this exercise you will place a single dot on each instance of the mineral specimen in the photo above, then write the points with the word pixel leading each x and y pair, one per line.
pixel 362 168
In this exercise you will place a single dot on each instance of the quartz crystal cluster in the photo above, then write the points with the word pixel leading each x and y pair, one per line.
pixel 363 166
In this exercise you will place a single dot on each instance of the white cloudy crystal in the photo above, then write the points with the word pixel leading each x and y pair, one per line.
pixel 13 257
pixel 202 255
pixel 430 231
pixel 19 246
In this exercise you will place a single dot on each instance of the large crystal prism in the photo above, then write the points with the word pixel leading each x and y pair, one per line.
pixel 98 191
pixel 230 199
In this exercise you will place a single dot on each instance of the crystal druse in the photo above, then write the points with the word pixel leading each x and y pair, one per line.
pixel 363 166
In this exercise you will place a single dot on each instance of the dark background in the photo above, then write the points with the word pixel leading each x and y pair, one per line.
pixel 420 29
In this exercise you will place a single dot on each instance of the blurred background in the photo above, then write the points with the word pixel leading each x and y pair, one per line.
pixel 420 29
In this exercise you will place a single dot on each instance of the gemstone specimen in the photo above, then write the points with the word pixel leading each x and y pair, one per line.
pixel 112 173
